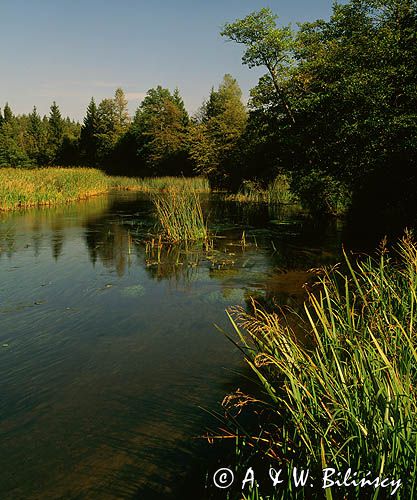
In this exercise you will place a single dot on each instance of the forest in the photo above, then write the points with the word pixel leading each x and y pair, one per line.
pixel 335 111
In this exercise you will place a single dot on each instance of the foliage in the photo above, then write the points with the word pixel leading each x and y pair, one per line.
pixel 159 131
pixel 345 396
pixel 345 112
pixel 214 137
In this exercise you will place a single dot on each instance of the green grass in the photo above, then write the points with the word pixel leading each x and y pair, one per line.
pixel 150 184
pixel 22 188
pixel 180 215
pixel 277 192
pixel 346 396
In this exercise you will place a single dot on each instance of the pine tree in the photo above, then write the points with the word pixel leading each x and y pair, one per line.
pixel 56 132
pixel 88 138
pixel 122 118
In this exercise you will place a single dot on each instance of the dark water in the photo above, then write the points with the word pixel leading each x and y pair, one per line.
pixel 109 359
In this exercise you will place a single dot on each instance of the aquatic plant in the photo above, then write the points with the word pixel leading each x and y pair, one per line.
pixel 20 187
pixel 180 215
pixel 150 184
pixel 346 396
pixel 277 192
pixel 24 187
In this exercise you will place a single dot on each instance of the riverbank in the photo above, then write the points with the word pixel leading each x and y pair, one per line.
pixel 24 188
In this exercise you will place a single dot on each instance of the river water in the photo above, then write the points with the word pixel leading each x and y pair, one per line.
pixel 110 361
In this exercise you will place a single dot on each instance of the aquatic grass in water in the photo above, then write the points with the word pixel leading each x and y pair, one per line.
pixel 22 187
pixel 180 215
pixel 277 192
pixel 348 399
pixel 149 184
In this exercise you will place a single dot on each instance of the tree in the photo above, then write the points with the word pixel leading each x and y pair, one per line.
pixel 55 132
pixel 88 136
pixel 159 128
pixel 12 144
pixel 214 140
pixel 266 45
pixel 36 142
pixel 7 113
pixel 122 118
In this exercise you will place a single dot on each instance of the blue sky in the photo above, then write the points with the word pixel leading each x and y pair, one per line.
pixel 70 50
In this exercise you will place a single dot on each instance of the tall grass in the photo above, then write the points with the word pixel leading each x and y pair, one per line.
pixel 277 192
pixel 149 184
pixel 180 215
pixel 46 186
pixel 347 397
pixel 21 187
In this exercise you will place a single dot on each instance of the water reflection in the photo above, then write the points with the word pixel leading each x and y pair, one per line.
pixel 109 349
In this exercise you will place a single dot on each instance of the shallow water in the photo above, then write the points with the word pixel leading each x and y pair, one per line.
pixel 109 359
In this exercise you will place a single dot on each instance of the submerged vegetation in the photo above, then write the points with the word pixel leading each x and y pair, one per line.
pixel 345 397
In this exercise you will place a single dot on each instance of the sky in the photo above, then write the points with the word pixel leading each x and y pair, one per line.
pixel 71 50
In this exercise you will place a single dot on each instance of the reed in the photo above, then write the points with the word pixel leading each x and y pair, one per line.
pixel 346 397
pixel 150 184
pixel 20 188
pixel 180 215
pixel 277 192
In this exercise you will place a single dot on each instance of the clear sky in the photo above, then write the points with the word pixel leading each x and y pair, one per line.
pixel 70 50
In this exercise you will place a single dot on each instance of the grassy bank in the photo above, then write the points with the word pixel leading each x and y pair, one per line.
pixel 346 398
pixel 22 188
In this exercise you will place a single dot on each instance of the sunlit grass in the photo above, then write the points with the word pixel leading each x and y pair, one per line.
pixel 180 215
pixel 347 397
pixel 150 184
pixel 22 188
pixel 277 192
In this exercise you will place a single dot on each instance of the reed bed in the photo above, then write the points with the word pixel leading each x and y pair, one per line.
pixel 277 192
pixel 150 184
pixel 20 188
pixel 346 398
pixel 180 215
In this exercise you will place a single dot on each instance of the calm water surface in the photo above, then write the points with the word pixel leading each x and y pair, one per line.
pixel 109 359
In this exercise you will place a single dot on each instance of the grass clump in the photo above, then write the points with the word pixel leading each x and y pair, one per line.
pixel 180 215
pixel 277 192
pixel 346 397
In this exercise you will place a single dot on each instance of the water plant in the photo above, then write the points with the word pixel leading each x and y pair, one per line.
pixel 344 397
pixel 277 192
pixel 20 187
pixel 29 187
pixel 180 215
pixel 167 183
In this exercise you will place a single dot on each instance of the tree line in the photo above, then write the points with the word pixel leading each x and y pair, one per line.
pixel 160 139
pixel 336 111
